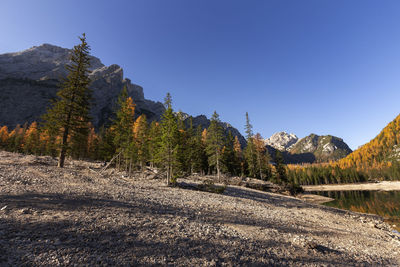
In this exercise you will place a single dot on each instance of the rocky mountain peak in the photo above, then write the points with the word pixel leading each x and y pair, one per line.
pixel 324 148
pixel 282 141
pixel 41 62
pixel 29 80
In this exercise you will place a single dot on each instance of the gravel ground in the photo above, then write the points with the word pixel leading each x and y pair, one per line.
pixel 75 216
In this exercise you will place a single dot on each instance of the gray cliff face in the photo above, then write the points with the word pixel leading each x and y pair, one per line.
pixel 29 80
pixel 204 122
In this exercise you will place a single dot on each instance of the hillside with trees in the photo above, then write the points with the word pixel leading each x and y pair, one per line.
pixel 383 150
pixel 379 159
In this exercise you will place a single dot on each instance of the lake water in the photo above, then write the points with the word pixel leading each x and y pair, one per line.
pixel 383 203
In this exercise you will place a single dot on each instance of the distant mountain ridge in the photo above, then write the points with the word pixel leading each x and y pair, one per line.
pixel 312 148
pixel 29 79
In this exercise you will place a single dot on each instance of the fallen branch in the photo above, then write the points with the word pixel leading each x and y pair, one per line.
pixel 108 164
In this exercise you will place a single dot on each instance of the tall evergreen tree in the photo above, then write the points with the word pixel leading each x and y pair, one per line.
pixel 215 143
pixel 250 151
pixel 154 142
pixel 228 156
pixel 122 125
pixel 280 168
pixel 167 155
pixel 183 148
pixel 106 147
pixel 69 114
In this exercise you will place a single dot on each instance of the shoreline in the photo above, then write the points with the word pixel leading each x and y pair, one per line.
pixel 381 186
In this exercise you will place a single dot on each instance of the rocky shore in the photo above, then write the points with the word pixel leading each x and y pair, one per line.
pixel 76 216
pixel 382 186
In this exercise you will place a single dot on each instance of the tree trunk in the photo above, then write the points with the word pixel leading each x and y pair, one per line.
pixel 130 167
pixel 218 173
pixel 168 174
pixel 119 162
pixel 63 151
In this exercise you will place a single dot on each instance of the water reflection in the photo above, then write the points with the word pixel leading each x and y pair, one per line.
pixel 383 203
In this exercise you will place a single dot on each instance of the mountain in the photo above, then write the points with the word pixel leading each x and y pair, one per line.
pixel 312 148
pixel 324 148
pixel 204 123
pixel 29 80
pixel 385 147
pixel 281 141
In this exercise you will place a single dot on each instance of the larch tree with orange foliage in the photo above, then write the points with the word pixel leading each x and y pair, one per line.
pixel 3 136
pixel 237 148
pixel 262 157
pixel 140 144
pixel 31 139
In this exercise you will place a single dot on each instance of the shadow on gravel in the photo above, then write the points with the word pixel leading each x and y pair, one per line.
pixel 94 239
pixel 67 243
pixel 39 203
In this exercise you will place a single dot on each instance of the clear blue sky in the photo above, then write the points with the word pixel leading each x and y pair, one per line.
pixel 324 67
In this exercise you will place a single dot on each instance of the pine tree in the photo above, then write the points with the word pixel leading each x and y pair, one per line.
pixel 69 114
pixel 228 156
pixel 250 151
pixel 122 125
pixel 199 157
pixel 183 149
pixel 281 175
pixel 215 143
pixel 167 155
pixel 154 142
pixel 106 147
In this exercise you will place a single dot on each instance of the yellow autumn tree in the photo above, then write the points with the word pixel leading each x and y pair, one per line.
pixel 140 133
pixel 92 142
pixel 4 136
pixel 32 140
pixel 377 150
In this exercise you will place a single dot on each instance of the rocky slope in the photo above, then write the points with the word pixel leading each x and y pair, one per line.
pixel 312 148
pixel 29 79
pixel 205 123
pixel 75 216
